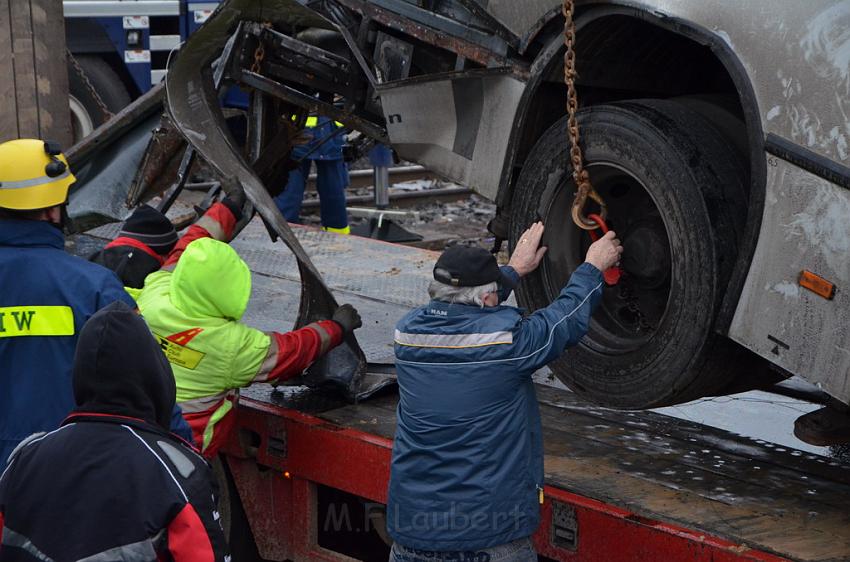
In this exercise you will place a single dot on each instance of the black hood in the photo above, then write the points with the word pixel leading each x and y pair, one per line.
pixel 120 369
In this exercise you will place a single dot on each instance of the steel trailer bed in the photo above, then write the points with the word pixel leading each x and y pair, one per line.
pixel 620 485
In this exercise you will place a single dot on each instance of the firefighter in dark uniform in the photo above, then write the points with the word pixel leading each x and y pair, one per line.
pixel 331 176
pixel 47 293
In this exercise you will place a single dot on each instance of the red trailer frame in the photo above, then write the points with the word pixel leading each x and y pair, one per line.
pixel 280 457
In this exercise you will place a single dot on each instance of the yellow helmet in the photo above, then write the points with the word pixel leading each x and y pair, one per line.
pixel 34 174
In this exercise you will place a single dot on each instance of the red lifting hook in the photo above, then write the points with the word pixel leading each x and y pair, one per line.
pixel 612 274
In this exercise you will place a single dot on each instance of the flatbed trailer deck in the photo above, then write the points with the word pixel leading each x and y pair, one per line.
pixel 311 470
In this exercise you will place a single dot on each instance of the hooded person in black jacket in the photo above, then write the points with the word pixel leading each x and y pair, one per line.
pixel 141 247
pixel 111 482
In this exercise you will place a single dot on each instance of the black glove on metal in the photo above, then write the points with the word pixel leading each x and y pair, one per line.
pixel 235 206
pixel 347 318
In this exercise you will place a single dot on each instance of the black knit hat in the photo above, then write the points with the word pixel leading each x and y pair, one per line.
pixel 466 266
pixel 150 227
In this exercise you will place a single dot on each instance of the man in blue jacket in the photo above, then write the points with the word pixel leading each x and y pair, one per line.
pixel 467 467
pixel 325 149
pixel 47 293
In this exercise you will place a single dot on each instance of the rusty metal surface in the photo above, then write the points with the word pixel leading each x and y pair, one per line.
pixel 159 166
pixel 467 49
pixel 194 108
pixel 103 182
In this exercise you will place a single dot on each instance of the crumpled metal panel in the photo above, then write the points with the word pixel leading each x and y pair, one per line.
pixel 100 194
pixel 194 108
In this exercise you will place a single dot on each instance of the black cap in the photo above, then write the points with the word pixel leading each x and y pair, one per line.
pixel 468 266
pixel 150 227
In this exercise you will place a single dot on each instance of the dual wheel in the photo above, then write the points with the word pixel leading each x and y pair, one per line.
pixel 675 181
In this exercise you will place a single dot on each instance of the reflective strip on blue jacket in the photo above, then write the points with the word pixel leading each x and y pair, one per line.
pixel 47 296
pixel 320 128
pixel 467 464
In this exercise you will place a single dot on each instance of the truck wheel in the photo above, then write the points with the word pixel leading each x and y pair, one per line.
pixel 86 113
pixel 676 196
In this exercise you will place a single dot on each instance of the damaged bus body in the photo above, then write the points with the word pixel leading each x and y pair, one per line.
pixel 718 138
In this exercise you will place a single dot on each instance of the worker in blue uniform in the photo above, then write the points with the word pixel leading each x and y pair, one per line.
pixel 47 294
pixel 466 480
pixel 325 149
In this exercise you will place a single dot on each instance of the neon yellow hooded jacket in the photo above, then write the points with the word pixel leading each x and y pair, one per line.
pixel 195 311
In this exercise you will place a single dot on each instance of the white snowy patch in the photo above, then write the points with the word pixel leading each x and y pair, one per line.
pixel 787 290
pixel 774 112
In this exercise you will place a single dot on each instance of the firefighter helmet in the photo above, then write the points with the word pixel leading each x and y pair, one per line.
pixel 34 174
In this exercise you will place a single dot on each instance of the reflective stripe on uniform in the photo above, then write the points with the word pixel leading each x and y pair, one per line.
pixel 269 362
pixel 204 403
pixel 34 182
pixel 453 341
pixel 313 121
pixel 142 550
pixel 17 540
pixel 324 337
pixel 36 321
pixel 213 227
pixel 222 411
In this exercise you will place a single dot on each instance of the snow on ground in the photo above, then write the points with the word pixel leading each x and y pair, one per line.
pixel 759 415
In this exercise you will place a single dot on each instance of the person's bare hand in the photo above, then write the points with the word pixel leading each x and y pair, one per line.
pixel 605 252
pixel 528 252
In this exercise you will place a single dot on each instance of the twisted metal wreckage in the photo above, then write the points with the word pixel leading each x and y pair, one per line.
pixel 294 58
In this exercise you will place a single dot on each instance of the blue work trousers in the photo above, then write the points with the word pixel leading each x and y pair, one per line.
pixel 332 179
pixel 521 550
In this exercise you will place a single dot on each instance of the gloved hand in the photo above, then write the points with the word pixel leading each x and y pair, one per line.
pixel 235 205
pixel 347 318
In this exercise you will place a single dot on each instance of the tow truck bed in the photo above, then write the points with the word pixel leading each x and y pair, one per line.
pixel 620 485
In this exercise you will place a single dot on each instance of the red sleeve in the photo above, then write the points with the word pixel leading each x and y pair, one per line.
pixel 188 539
pixel 294 351
pixel 218 222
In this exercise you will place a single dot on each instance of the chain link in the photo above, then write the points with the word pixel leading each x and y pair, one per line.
pixel 88 85
pixel 259 55
pixel 584 189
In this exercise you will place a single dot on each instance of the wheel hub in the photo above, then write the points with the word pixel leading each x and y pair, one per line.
pixel 629 310
pixel 646 253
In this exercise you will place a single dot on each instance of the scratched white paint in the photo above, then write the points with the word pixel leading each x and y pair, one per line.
pixel 825 47
pixel 824 228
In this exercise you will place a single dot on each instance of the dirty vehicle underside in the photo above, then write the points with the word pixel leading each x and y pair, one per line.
pixel 475 92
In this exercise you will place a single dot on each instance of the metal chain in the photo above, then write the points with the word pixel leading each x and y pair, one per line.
pixel 88 85
pixel 259 55
pixel 584 189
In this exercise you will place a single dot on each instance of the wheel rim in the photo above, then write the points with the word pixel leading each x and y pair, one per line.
pixel 630 312
pixel 81 121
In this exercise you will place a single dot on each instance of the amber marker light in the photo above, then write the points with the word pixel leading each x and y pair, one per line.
pixel 817 284
pixel 286 474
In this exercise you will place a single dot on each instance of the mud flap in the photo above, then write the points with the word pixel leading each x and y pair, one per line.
pixel 192 103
